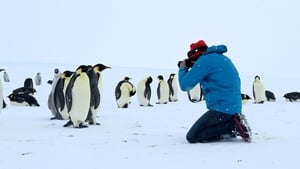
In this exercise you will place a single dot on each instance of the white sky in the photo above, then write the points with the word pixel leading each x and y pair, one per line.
pixel 261 35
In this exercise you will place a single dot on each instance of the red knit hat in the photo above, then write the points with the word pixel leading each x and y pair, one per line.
pixel 197 49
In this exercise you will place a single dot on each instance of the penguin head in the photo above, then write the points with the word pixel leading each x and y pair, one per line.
pixel 100 67
pixel 160 77
pixel 11 97
pixel 127 78
pixel 56 71
pixel 83 68
pixel 257 78
pixel 172 75
pixel 66 73
pixel 149 79
pixel 2 70
pixel 246 97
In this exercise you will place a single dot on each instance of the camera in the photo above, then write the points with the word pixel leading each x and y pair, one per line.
pixel 188 62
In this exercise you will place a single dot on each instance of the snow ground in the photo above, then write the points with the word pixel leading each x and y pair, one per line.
pixel 141 137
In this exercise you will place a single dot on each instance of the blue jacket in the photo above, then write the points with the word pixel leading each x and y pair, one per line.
pixel 219 80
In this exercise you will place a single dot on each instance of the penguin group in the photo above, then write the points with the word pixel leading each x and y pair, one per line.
pixel 166 91
pixel 260 94
pixel 76 95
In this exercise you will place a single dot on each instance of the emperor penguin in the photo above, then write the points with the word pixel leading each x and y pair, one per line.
pixel 78 96
pixel 292 96
pixel 143 91
pixel 173 87
pixel 26 89
pixel 163 90
pixel 270 96
pixel 23 100
pixel 51 102
pixel 123 92
pixel 259 92
pixel 245 98
pixel 59 96
pixel 95 77
pixel 28 83
pixel 195 95
pixel 38 79
pixel 56 75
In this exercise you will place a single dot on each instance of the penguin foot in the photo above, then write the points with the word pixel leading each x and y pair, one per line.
pixel 81 126
pixel 69 123
pixel 94 123
pixel 53 118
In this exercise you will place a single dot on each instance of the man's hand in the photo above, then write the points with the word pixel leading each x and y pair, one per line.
pixel 185 63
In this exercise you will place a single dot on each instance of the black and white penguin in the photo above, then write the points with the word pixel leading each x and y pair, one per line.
pixel 59 96
pixel 245 98
pixel 28 83
pixel 163 90
pixel 51 100
pixel 143 91
pixel 95 76
pixel 26 89
pixel 78 96
pixel 56 75
pixel 23 100
pixel 259 92
pixel 292 96
pixel 123 92
pixel 195 95
pixel 173 88
pixel 38 79
pixel 270 96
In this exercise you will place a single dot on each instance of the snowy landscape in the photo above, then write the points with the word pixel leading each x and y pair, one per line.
pixel 139 137
pixel 139 39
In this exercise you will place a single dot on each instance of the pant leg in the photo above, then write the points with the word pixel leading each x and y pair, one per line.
pixel 210 127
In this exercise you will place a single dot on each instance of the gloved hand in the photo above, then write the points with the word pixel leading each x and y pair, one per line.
pixel 185 63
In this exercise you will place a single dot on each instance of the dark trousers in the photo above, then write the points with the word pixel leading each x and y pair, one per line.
pixel 211 126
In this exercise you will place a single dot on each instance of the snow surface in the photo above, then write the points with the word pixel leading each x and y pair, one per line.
pixel 142 137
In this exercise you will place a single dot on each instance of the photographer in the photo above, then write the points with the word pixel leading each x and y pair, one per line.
pixel 220 82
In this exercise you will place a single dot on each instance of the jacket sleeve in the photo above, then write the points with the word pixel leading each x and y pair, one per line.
pixel 189 78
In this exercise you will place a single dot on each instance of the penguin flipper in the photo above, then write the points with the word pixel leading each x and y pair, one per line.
pixel 158 91
pixel 4 104
pixel 69 92
pixel 59 97
pixel 147 92
pixel 96 100
pixel 253 92
pixel 132 92
pixel 118 91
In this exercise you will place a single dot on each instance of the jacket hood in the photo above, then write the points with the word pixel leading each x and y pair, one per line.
pixel 216 49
